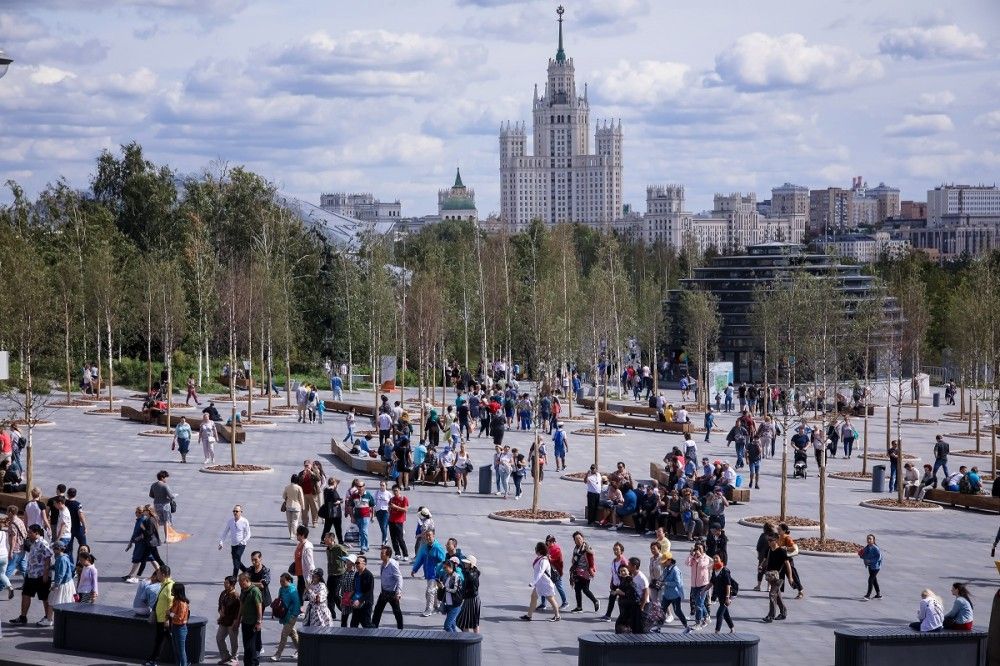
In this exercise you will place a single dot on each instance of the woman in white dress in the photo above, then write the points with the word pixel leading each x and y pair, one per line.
pixel 208 435
pixel 542 586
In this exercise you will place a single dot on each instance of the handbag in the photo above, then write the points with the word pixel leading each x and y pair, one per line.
pixel 173 506
pixel 284 507
pixel 278 609
pixel 324 511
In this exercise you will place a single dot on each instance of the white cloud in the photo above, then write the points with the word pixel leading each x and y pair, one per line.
pixel 936 100
pixel 989 121
pixel 646 82
pixel 920 125
pixel 44 75
pixel 760 62
pixel 29 41
pixel 941 41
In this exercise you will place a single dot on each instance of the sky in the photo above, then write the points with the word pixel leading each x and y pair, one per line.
pixel 390 96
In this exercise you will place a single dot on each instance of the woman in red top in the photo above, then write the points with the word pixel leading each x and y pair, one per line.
pixel 581 572
pixel 398 506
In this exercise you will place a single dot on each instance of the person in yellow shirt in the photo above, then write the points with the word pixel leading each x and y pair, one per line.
pixel 164 600
pixel 668 414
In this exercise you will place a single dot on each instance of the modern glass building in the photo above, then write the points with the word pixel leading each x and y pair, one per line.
pixel 733 279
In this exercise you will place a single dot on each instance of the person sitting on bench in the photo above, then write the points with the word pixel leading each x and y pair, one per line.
pixel 212 412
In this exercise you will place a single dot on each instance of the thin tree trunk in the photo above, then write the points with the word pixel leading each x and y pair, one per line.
pixel 977 427
pixel 69 371
pixel 111 369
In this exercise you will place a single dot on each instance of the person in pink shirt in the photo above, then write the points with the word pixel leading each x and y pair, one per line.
pixel 701 573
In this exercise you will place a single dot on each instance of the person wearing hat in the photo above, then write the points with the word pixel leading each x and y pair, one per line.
pixel 425 521
pixel 559 446
pixel 468 617
pixel 346 588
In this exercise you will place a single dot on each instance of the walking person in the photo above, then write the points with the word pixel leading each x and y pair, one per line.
pixel 700 565
pixel 292 502
pixel 192 393
pixel 37 578
pixel 775 565
pixel 349 420
pixel 468 617
pixel 582 570
pixel 251 616
pixel 451 586
pixel 228 621
pixel 429 556
pixel 941 451
pixel 871 555
pixel 722 589
pixel 237 533
pixel 673 593
pixel 398 506
pixel 290 601
pixel 382 497
pixel 556 563
pixel 182 438
pixel 311 480
pixel 208 435
pixel 788 544
pixel 164 499
pixel 63 588
pixel 617 562
pixel 318 613
pixel 847 436
pixel 542 587
pixel 559 447
pixel 391 581
pixel 161 615
pixel 303 560
pixel 332 510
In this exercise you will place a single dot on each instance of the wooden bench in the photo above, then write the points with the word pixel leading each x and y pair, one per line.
pixel 119 632
pixel 951 498
pixel 226 433
pixel 734 495
pixel 344 407
pixel 609 418
pixel 133 414
pixel 319 646
pixel 360 463
pixel 241 384
pixel 607 649
pixel 887 646
pixel 15 499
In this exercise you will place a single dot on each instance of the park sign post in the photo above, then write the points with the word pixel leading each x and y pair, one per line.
pixel 4 365
pixel 720 375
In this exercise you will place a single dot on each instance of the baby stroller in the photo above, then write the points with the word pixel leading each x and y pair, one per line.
pixel 801 462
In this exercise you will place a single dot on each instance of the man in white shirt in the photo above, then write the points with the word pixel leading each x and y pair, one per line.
pixel 237 531
pixel 301 399
pixel 384 429
pixel 62 531
pixel 681 416
pixel 641 584
pixel 593 493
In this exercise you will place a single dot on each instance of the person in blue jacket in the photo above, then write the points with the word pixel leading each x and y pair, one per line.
pixel 673 593
pixel 871 555
pixel 428 559
pixel 560 446
pixel 709 422
pixel 290 598
pixel 628 505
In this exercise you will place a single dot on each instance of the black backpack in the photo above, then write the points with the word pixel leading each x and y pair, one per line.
pixel 734 587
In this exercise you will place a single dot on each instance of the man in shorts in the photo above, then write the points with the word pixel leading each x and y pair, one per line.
pixel 38 578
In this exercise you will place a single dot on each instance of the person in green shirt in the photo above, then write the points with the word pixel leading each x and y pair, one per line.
pixel 164 600
pixel 335 554
pixel 251 613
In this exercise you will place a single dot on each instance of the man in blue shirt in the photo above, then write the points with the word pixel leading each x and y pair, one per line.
pixel 337 387
pixel 560 446
pixel 709 422
pixel 627 508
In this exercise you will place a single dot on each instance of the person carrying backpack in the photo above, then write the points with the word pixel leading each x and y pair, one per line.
pixel 724 589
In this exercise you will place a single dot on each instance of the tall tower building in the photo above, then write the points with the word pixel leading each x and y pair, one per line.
pixel 560 180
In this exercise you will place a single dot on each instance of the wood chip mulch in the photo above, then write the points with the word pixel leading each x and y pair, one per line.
pixel 851 475
pixel 828 545
pixel 917 421
pixel 238 468
pixel 603 431
pixel 577 475
pixel 905 504
pixel 882 456
pixel 973 453
pixel 528 515
pixel 792 521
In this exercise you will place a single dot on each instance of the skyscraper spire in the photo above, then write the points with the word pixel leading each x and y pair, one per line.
pixel 560 54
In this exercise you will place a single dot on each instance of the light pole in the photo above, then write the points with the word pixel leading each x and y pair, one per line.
pixel 5 62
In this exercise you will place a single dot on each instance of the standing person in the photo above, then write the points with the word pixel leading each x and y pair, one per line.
pixel 559 447
pixel 292 502
pixel 237 532
pixel 192 393
pixel 640 585
pixel 594 486
pixel 582 570
pixel 179 613
pixel 463 465
pixel 542 587
pixel 468 617
pixel 673 592
pixel 37 579
pixel 709 422
pixel 871 555
pixel 311 481
pixel 722 587
pixel 346 588
pixel 336 556
pixel 941 451
pixel 164 499
pixel 318 614
pixel 363 596
pixel 398 506
pixel 382 497
pixel 260 577
pixel 16 533
pixel 88 587
pixel 363 505
pixel 63 588
pixel 893 456
pixel 700 565
pixel 303 560
pixel 182 438
pixel 776 565
pixel 762 551
pixel 290 600
pixel 505 468
pixel 628 601
pixel 930 615
pixel 451 585
pixel 334 509
pixel 788 544
pixel 301 400
pixel 349 420
pixel 229 625
pixel 391 581
pixel 251 616
pixel 960 615
pixel 161 614
pixel 617 562
pixel 847 436
pixel 208 435
pixel 754 454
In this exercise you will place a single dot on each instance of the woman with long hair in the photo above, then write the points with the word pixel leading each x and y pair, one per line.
pixel 871 555
pixel 542 587
pixel 332 509
pixel 628 601
pixel 930 615
pixel 960 615
pixel 318 613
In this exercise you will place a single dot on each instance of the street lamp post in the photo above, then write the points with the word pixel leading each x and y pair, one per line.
pixel 5 62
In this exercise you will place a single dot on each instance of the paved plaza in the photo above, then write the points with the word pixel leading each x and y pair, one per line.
pixel 112 468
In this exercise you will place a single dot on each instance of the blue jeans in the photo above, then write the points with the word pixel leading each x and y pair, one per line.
pixel 892 477
pixel 383 524
pixel 178 637
pixel 740 451
pixel 16 563
pixel 848 446
pixel 941 464
pixel 4 581
pixel 349 437
pixel 363 533
pixel 698 605
pixel 755 468
pixel 503 480
pixel 451 616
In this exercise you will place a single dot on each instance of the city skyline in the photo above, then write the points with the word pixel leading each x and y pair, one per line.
pixel 388 99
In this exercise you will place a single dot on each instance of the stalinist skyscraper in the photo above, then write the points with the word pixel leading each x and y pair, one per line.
pixel 560 181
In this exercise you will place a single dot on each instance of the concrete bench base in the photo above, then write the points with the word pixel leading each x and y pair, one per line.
pixel 608 649
pixel 118 632
pixel 360 463
pixel 901 645
pixel 320 646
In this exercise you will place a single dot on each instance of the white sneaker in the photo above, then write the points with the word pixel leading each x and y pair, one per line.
pixel 425 614
pixel 132 580
pixel 669 619
pixel 44 622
